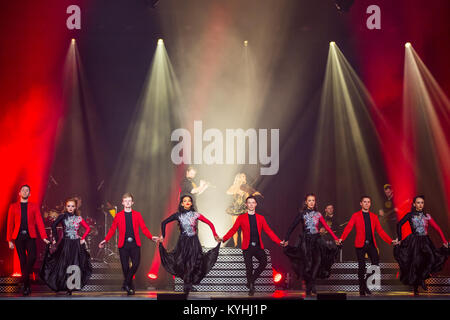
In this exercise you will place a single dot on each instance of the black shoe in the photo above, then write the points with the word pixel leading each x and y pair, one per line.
pixel 416 292
pixel 367 290
pixel 251 291
pixel 362 293
pixel 423 285
pixel 129 291
pixel 26 291
pixel 69 293
pixel 193 289
pixel 187 289
pixel 308 293
pixel 313 289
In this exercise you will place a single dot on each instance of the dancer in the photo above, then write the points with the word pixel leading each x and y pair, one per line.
pixel 312 257
pixel 240 190
pixel 24 218
pixel 251 225
pixel 70 251
pixel 365 223
pixel 416 255
pixel 187 261
pixel 128 221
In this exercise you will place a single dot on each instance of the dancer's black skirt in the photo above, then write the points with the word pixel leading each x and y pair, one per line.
pixel 54 267
pixel 418 258
pixel 187 261
pixel 301 256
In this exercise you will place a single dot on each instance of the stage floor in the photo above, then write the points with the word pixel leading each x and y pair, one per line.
pixel 281 295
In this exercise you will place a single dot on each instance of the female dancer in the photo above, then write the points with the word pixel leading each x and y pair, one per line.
pixel 240 191
pixel 70 251
pixel 312 257
pixel 416 255
pixel 187 261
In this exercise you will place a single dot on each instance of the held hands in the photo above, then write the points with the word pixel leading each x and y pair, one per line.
pixel 284 243
pixel 338 242
pixel 395 242
pixel 46 241
pixel 218 239
pixel 101 244
pixel 11 245
pixel 54 241
pixel 446 245
pixel 156 239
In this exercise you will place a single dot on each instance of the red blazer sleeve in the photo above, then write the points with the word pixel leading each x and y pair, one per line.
pixel 327 227
pixel 381 232
pixel 233 229
pixel 86 226
pixel 112 229
pixel 144 228
pixel 348 228
pixel 209 223
pixel 269 232
pixel 10 224
pixel 436 227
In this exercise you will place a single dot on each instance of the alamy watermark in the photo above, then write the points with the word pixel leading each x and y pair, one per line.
pixel 229 147
pixel 373 281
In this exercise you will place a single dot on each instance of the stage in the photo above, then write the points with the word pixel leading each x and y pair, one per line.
pixel 277 295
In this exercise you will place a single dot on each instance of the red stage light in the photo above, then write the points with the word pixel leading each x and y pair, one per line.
pixel 152 276
pixel 16 275
pixel 277 277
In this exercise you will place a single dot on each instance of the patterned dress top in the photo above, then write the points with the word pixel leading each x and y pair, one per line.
pixel 71 225
pixel 187 222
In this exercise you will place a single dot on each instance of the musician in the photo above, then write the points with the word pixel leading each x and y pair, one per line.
pixel 389 211
pixel 240 191
pixel 189 186
pixel 128 221
pixel 24 218
pixel 328 216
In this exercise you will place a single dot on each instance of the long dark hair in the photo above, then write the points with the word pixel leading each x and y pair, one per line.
pixel 180 207
pixel 413 209
pixel 305 207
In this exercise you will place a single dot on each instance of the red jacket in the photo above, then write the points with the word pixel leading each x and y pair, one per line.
pixel 243 222
pixel 119 221
pixel 34 221
pixel 358 221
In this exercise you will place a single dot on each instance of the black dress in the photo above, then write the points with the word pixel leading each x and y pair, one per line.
pixel 187 261
pixel 416 255
pixel 312 257
pixel 69 252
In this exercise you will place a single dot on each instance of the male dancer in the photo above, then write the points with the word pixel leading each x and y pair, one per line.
pixel 23 219
pixel 251 224
pixel 128 221
pixel 366 223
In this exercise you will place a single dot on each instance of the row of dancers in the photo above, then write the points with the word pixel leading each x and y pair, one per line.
pixel 311 258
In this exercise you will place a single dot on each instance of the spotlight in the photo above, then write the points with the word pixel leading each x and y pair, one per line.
pixel 332 43
pixel 152 276
pixel 16 275
pixel 160 42
pixel 408 45
pixel 246 43
pixel 277 277
pixel 343 5
pixel 73 40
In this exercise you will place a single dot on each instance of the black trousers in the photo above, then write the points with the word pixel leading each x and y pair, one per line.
pixel 260 255
pixel 372 252
pixel 127 252
pixel 26 250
